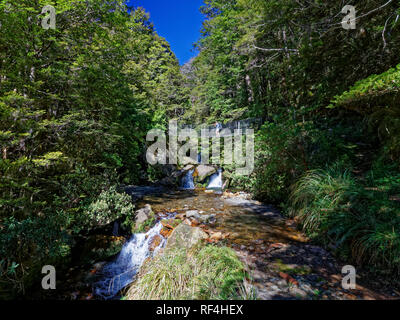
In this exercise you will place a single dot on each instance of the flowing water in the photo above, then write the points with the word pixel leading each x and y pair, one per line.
pixel 246 222
pixel 254 230
pixel 120 273
pixel 257 232
pixel 216 181
pixel 187 181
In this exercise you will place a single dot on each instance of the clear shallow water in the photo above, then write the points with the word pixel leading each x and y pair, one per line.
pixel 246 222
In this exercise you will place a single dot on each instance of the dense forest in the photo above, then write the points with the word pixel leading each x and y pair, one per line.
pixel 77 101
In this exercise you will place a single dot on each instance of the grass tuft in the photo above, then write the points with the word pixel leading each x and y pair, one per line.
pixel 205 272
pixel 357 216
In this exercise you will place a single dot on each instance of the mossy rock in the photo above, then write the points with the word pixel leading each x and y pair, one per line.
pixel 292 269
pixel 100 248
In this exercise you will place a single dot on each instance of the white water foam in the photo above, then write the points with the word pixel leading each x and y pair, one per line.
pixel 187 181
pixel 121 272
pixel 216 180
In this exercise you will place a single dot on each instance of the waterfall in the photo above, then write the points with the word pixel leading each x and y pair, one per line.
pixel 187 181
pixel 121 272
pixel 216 180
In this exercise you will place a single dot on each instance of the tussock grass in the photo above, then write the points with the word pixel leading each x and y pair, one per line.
pixel 356 217
pixel 203 272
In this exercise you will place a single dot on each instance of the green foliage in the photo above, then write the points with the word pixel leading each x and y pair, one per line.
pixel 268 58
pixel 360 219
pixel 26 246
pixel 76 103
pixel 365 91
pixel 286 61
pixel 377 97
pixel 109 206
pixel 205 272
pixel 280 158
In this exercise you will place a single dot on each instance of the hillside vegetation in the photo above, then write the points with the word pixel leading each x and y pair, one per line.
pixel 77 102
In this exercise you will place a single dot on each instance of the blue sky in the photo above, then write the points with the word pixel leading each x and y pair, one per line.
pixel 178 21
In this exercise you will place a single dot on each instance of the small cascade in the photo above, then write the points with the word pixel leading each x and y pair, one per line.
pixel 121 272
pixel 187 181
pixel 216 180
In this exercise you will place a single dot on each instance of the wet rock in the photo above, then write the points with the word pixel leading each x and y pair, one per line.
pixel 207 218
pixel 166 225
pixel 171 223
pixel 143 215
pixel 166 232
pixel 216 236
pixel 99 265
pixel 193 214
pixel 185 236
pixel 297 292
pixel 100 248
pixel 203 172
pixel 288 278
pixel 154 243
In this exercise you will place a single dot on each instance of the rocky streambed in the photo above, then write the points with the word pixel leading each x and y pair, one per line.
pixel 281 262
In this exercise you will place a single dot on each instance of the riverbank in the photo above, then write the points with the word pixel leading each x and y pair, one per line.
pixel 280 261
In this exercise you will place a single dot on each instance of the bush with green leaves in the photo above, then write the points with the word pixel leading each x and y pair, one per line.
pixel 109 206
pixel 280 159
pixel 27 245
pixel 377 98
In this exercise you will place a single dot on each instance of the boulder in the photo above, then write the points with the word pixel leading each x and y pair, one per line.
pixel 203 171
pixel 170 223
pixel 185 236
pixel 180 173
pixel 168 181
pixel 143 215
pixel 193 214
pixel 188 167
pixel 207 218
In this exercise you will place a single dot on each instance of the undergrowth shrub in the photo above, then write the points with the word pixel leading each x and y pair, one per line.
pixel 26 246
pixel 359 217
pixel 108 207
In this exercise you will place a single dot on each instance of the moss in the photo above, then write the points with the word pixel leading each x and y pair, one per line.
pixel 145 226
pixel 292 270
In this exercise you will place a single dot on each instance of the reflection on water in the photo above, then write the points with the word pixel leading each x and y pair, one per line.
pixel 245 221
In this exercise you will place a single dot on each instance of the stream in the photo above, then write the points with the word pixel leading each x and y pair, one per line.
pixel 280 260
